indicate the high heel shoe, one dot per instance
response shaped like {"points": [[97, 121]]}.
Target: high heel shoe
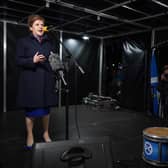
{"points": [[29, 143], [28, 147]]}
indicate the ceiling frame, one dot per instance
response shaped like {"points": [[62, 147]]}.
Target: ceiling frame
{"points": [[105, 19]]}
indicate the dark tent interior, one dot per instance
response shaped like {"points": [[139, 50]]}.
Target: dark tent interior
{"points": [[109, 101]]}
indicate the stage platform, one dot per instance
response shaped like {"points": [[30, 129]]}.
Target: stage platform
{"points": [[123, 127]]}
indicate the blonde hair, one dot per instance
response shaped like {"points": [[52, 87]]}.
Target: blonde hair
{"points": [[33, 18]]}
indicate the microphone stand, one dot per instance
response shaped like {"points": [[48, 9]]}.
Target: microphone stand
{"points": [[67, 65], [69, 57]]}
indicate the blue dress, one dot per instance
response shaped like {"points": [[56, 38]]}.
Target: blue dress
{"points": [[37, 112]]}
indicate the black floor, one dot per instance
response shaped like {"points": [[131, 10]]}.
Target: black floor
{"points": [[124, 128]]}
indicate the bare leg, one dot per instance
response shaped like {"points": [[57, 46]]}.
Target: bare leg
{"points": [[29, 128], [45, 121]]}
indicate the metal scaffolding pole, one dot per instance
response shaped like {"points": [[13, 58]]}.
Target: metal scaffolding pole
{"points": [[4, 65], [100, 67], [98, 13]]}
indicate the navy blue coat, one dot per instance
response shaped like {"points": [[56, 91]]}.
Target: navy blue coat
{"points": [[36, 85]]}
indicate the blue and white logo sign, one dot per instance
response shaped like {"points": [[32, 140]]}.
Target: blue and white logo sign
{"points": [[148, 148], [151, 150]]}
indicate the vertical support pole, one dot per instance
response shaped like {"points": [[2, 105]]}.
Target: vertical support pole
{"points": [[4, 65], [60, 82], [100, 67], [153, 38], [147, 77]]}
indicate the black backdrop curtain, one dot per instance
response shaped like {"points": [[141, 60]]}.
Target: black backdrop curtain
{"points": [[112, 56], [132, 53], [133, 81], [86, 53], [1, 67], [161, 43], [13, 33]]}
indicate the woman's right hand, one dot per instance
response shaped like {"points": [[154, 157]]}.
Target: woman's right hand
{"points": [[38, 58]]}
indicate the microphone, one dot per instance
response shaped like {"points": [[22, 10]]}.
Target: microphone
{"points": [[56, 65]]}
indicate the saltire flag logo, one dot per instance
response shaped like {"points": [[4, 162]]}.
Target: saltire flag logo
{"points": [[154, 84]]}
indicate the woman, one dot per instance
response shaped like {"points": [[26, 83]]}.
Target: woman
{"points": [[36, 82]]}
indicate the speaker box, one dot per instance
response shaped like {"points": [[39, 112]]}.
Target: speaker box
{"points": [[80, 153]]}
